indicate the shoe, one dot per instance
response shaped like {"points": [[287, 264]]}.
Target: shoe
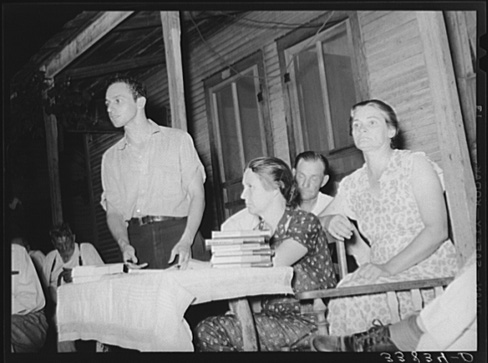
{"points": [[376, 339], [327, 343]]}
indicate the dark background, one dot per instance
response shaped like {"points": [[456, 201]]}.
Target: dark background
{"points": [[26, 27]]}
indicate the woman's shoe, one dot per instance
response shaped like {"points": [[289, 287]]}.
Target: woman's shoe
{"points": [[376, 339]]}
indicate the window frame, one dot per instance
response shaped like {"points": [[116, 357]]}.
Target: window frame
{"points": [[293, 40]]}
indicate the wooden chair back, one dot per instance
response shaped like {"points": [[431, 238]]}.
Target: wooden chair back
{"points": [[464, 250]]}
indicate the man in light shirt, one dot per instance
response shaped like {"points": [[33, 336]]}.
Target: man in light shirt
{"points": [[37, 256], [152, 184], [29, 325], [67, 254]]}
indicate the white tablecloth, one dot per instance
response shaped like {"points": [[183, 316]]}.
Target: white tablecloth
{"points": [[144, 309]]}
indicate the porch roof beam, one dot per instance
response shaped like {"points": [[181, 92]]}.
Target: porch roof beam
{"points": [[87, 38], [113, 67]]}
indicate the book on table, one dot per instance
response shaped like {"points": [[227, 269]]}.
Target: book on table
{"points": [[242, 247], [249, 248], [89, 273], [261, 252], [240, 258], [241, 234], [234, 241], [244, 265]]}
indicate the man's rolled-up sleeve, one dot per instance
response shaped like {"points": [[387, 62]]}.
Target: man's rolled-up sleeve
{"points": [[191, 166]]}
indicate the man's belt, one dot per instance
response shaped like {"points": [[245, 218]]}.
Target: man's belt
{"points": [[141, 221]]}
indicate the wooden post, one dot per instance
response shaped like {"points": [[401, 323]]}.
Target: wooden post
{"points": [[241, 309], [458, 174], [459, 36], [170, 22], [50, 124], [91, 194]]}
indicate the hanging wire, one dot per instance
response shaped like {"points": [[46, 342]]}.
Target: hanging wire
{"points": [[266, 23], [288, 25], [310, 41]]}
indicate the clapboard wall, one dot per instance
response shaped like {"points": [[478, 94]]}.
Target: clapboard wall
{"points": [[398, 74], [395, 71], [105, 244]]}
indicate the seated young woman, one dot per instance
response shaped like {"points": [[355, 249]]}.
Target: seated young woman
{"points": [[397, 200], [298, 240]]}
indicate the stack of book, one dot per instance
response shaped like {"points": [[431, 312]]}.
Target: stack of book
{"points": [[240, 249]]}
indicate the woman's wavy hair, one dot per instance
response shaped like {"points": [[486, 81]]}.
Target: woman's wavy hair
{"points": [[390, 117], [275, 173]]}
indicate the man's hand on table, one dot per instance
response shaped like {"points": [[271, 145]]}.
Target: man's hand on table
{"points": [[192, 265], [183, 250]]}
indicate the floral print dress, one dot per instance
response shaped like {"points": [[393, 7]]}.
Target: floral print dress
{"points": [[389, 221], [280, 322]]}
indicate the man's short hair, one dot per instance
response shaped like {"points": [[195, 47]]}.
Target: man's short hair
{"points": [[312, 156], [59, 231], [136, 87]]}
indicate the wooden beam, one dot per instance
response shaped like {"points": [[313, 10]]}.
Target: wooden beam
{"points": [[170, 22], [458, 174], [241, 309], [373, 288], [462, 54], [88, 36], [91, 194], [50, 124], [113, 67]]}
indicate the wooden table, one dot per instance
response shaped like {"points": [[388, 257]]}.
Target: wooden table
{"points": [[144, 309]]}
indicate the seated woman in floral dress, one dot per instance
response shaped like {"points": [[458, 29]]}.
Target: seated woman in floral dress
{"points": [[397, 200], [298, 240]]}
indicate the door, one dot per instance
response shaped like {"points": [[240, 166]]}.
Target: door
{"points": [[237, 118]]}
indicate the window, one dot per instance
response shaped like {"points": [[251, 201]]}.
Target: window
{"points": [[320, 76], [325, 91]]}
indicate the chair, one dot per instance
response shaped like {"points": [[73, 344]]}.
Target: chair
{"points": [[319, 308]]}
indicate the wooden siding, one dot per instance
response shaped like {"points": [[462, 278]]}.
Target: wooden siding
{"points": [[398, 75], [224, 48], [276, 104], [227, 47], [156, 82], [105, 244], [395, 70]]}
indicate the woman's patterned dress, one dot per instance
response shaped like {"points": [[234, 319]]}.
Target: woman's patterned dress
{"points": [[389, 221], [280, 323]]}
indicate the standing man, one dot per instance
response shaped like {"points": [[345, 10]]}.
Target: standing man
{"points": [[152, 184]]}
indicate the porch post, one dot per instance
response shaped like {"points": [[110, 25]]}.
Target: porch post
{"points": [[50, 124], [458, 174], [170, 21]]}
